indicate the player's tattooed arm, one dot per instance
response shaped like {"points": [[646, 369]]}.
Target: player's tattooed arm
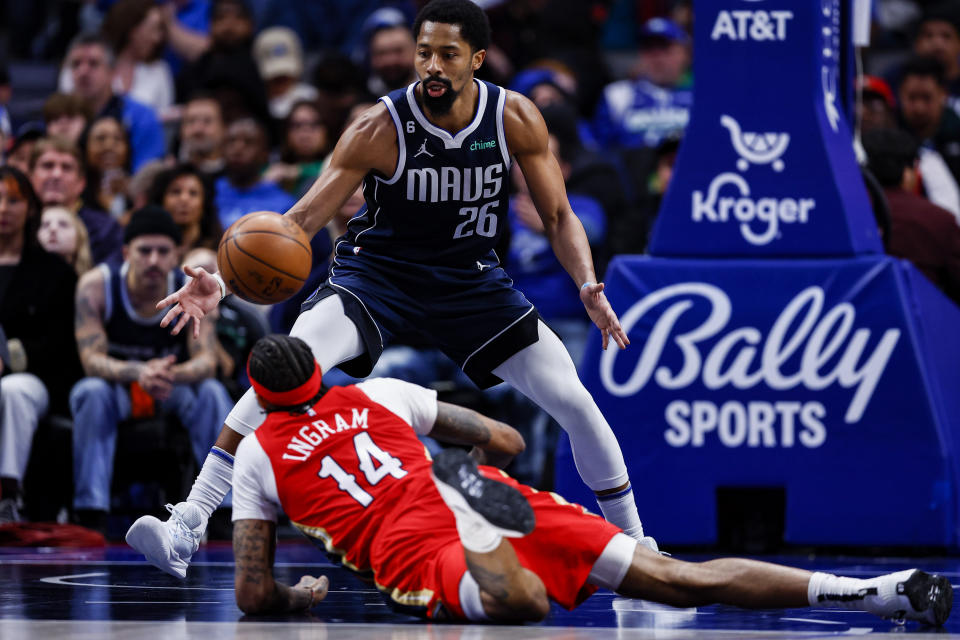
{"points": [[254, 545], [203, 357], [494, 442], [91, 334]]}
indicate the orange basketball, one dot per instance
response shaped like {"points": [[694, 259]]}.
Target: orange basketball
{"points": [[264, 257]]}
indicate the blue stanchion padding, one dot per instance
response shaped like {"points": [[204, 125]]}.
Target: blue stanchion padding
{"points": [[834, 379], [766, 167]]}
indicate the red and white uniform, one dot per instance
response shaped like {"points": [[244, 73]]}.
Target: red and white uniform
{"points": [[352, 474]]}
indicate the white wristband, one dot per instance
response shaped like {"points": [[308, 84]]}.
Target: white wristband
{"points": [[586, 284], [222, 285]]}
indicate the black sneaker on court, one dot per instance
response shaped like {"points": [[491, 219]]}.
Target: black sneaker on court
{"points": [[476, 499], [930, 597], [909, 595]]}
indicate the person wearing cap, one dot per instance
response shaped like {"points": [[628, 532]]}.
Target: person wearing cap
{"points": [[135, 368], [279, 57], [877, 107], [390, 48], [639, 113]]}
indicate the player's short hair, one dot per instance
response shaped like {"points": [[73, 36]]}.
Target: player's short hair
{"points": [[925, 67], [473, 22], [281, 363], [889, 152]]}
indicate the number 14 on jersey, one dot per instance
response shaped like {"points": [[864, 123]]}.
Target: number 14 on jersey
{"points": [[367, 452]]}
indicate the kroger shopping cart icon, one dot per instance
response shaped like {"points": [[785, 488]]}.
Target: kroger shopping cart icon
{"points": [[756, 148], [731, 196]]}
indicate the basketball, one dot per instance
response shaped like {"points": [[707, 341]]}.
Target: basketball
{"points": [[264, 257]]}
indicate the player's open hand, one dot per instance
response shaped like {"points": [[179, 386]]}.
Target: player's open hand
{"points": [[318, 588], [602, 314], [192, 301]]}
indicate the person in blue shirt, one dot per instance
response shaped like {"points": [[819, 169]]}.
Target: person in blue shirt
{"points": [[90, 62], [639, 113], [242, 190]]}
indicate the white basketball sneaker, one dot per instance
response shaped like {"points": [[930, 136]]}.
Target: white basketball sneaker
{"points": [[169, 545]]}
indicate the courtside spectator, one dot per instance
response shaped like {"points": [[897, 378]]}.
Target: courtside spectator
{"points": [[279, 57], [57, 174], [187, 195], [924, 113], [63, 233], [90, 62], [877, 107], [938, 36], [201, 134], [227, 69], [106, 155], [66, 115], [390, 50], [639, 113], [340, 83], [188, 30], [241, 190], [36, 304], [135, 31], [921, 232], [134, 367], [305, 145], [19, 153]]}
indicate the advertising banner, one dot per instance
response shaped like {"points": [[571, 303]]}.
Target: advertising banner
{"points": [[766, 167], [832, 379]]}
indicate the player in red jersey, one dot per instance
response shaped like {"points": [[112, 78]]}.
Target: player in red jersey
{"points": [[447, 539]]}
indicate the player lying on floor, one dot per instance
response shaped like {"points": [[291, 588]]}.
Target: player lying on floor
{"points": [[451, 540]]}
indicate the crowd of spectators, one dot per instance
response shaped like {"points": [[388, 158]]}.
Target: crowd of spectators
{"points": [[166, 121]]}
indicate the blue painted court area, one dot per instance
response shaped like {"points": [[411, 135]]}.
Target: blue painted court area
{"points": [[111, 592]]}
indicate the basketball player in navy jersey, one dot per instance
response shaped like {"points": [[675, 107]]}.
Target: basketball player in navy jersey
{"points": [[433, 160]]}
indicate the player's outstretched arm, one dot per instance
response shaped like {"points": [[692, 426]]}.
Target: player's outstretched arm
{"points": [[527, 137], [368, 144], [198, 297], [494, 443], [254, 543]]}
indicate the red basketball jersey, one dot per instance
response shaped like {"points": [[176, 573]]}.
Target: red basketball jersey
{"points": [[340, 471]]}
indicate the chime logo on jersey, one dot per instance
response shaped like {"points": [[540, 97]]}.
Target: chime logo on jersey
{"points": [[454, 184]]}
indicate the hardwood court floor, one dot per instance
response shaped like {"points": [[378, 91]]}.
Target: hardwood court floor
{"points": [[113, 593]]}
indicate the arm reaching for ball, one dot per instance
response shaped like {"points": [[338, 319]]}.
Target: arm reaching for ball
{"points": [[369, 144], [198, 297]]}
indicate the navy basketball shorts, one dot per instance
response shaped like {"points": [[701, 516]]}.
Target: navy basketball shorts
{"points": [[473, 315]]}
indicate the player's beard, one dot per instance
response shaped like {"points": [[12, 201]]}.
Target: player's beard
{"points": [[441, 105]]}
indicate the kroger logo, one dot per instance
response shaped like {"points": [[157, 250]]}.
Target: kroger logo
{"points": [[743, 357], [730, 196]]}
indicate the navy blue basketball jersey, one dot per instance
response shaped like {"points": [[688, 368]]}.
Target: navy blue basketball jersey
{"points": [[446, 202], [131, 336]]}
